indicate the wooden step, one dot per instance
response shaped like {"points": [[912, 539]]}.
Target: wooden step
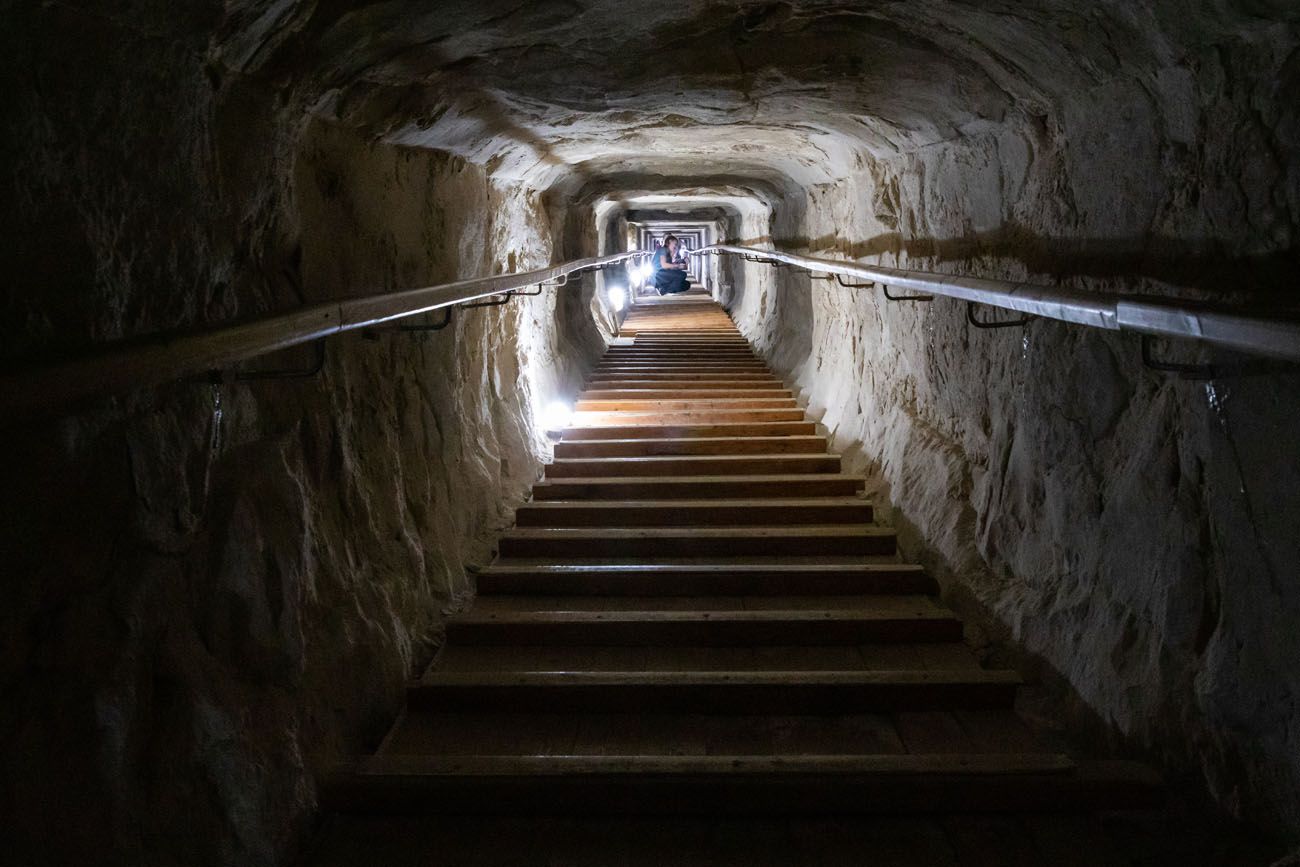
{"points": [[802, 427], [507, 577], [727, 332], [598, 542], [714, 368], [715, 692], [631, 448], [731, 333], [637, 355], [737, 785], [672, 356], [676, 417], [668, 378], [693, 465], [690, 337], [701, 734], [697, 487], [681, 372], [669, 362], [680, 392], [673, 376], [686, 513], [916, 623], [664, 405], [666, 658], [741, 387], [641, 350], [734, 344]]}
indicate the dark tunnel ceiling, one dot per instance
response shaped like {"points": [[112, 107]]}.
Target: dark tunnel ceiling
{"points": [[786, 93]]}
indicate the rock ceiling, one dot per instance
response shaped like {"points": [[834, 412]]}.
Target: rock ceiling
{"points": [[781, 93]]}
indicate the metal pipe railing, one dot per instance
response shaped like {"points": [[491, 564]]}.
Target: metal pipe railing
{"points": [[157, 359], [1247, 331]]}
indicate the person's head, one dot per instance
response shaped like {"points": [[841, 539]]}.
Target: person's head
{"points": [[671, 242]]}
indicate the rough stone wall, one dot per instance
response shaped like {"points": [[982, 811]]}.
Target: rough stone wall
{"points": [[215, 591], [1132, 531]]}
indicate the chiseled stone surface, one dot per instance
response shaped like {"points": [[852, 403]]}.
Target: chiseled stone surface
{"points": [[1131, 530], [216, 591]]}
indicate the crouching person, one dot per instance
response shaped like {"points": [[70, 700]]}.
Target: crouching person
{"points": [[670, 268]]}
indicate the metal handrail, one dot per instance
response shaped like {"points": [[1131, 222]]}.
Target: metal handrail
{"points": [[1247, 331], [167, 357]]}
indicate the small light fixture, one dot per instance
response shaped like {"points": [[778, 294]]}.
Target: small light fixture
{"points": [[557, 415], [617, 298]]}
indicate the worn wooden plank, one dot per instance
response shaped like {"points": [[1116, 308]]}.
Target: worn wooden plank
{"points": [[597, 542], [811, 445], [506, 576], [693, 465], [704, 429], [702, 628], [715, 691]]}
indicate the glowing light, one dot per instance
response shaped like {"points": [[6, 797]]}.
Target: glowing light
{"points": [[646, 270], [557, 415], [617, 298]]}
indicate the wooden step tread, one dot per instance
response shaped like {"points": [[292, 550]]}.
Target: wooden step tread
{"points": [[651, 462], [652, 378], [694, 465], [619, 418], [678, 404], [808, 571], [706, 628], [641, 351], [800, 427], [680, 357], [690, 679], [757, 532], [647, 336], [868, 604], [611, 448], [742, 388], [597, 542], [946, 656], [623, 392], [726, 692], [730, 765], [671, 362], [507, 577], [701, 734], [687, 344], [715, 370], [659, 487], [684, 512], [888, 785]]}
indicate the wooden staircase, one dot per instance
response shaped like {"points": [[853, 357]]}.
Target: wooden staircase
{"points": [[696, 614]]}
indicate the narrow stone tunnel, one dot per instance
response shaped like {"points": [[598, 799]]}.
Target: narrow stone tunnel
{"points": [[219, 588]]}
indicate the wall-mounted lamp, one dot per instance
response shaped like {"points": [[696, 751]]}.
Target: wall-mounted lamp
{"points": [[617, 298], [557, 415]]}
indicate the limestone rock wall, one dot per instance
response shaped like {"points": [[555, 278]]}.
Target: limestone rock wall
{"points": [[213, 592], [1134, 532]]}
